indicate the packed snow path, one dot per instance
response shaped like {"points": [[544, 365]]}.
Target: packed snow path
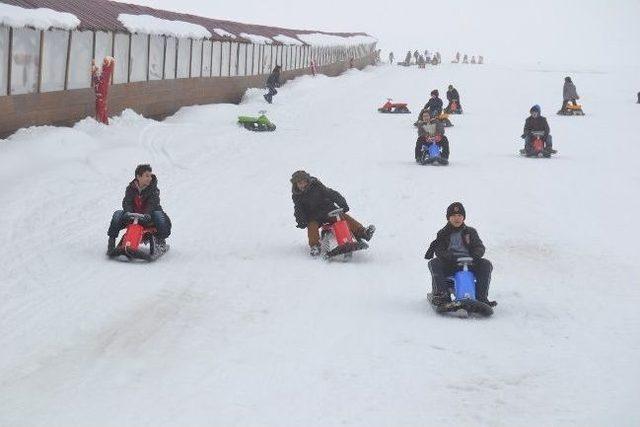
{"points": [[237, 326]]}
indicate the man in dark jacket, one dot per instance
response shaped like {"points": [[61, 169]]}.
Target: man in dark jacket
{"points": [[453, 95], [536, 123], [273, 81], [569, 94], [457, 240], [312, 203], [141, 196], [434, 105]]}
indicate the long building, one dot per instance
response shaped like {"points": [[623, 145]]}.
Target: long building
{"points": [[164, 60]]}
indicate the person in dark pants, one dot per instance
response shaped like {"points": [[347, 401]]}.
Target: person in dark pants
{"points": [[569, 94], [453, 95], [434, 105], [536, 123], [141, 196], [457, 240], [273, 81], [638, 97]]}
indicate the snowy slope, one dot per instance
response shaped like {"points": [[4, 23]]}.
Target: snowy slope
{"points": [[237, 326]]}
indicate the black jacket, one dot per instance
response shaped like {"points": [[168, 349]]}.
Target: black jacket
{"points": [[536, 124], [453, 94], [315, 203], [145, 201], [470, 239], [274, 79], [434, 106]]}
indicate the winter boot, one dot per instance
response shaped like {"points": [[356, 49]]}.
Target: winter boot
{"points": [[315, 250], [268, 98], [368, 232], [161, 245], [486, 301], [439, 299], [111, 246]]}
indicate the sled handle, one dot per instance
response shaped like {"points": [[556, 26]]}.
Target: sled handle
{"points": [[465, 262], [336, 213], [135, 216]]}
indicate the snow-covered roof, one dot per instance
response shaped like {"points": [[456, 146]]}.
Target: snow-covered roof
{"points": [[41, 19], [148, 24], [256, 39], [287, 40], [224, 33], [319, 39]]}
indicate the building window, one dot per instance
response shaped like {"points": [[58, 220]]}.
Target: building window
{"points": [[156, 57], [242, 59], [104, 41], [80, 60], [196, 58], [139, 57], [121, 54], [170, 60], [54, 60], [4, 59], [217, 59], [25, 58], [184, 58], [226, 58], [206, 58], [233, 59]]}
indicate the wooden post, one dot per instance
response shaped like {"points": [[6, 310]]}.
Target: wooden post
{"points": [[66, 68], [129, 61], [148, 55], [190, 56], [164, 57], [40, 61]]}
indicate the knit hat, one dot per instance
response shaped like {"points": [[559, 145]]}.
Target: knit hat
{"points": [[300, 176], [535, 108], [450, 87], [567, 79], [456, 208], [435, 92]]}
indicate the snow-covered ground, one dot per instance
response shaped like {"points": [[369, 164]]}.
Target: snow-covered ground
{"points": [[237, 326]]}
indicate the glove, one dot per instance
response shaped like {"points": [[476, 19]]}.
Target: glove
{"points": [[300, 225], [146, 220]]}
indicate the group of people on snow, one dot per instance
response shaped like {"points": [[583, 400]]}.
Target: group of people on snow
{"points": [[418, 58], [465, 59]]}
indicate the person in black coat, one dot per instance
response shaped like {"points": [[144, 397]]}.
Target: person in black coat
{"points": [[457, 240], [434, 105], [141, 196], [453, 95], [536, 123], [312, 202], [273, 81]]}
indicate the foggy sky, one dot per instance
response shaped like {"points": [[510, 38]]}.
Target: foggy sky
{"points": [[554, 32]]}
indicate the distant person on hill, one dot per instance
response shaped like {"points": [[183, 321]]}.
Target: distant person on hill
{"points": [[569, 94], [390, 57], [273, 81], [480, 59], [434, 105], [407, 59], [473, 59], [536, 123], [638, 97], [416, 54], [457, 58], [312, 203], [453, 95], [141, 196], [457, 240], [465, 59]]}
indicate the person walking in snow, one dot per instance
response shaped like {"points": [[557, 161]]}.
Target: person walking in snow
{"points": [[273, 81], [390, 57], [457, 240], [434, 105], [312, 202], [569, 94], [141, 196], [100, 81]]}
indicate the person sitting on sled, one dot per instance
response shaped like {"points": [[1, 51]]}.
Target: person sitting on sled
{"points": [[435, 104], [312, 203], [141, 196], [536, 123], [428, 132], [457, 240], [453, 95]]}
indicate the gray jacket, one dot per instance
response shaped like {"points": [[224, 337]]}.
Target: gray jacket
{"points": [[569, 91]]}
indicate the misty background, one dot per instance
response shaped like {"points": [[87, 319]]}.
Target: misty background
{"points": [[567, 33]]}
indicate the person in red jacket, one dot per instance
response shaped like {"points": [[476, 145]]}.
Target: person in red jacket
{"points": [[141, 196], [100, 81]]}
